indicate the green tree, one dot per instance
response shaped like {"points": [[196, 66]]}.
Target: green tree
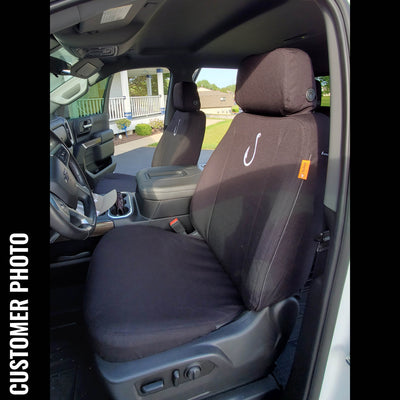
{"points": [[207, 85], [138, 87], [229, 88], [212, 86]]}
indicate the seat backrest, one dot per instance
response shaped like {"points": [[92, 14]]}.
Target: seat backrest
{"points": [[181, 141], [259, 200]]}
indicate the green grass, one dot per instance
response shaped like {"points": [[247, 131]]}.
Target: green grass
{"points": [[214, 133], [326, 101]]}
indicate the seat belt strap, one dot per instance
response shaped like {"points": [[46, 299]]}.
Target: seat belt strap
{"points": [[323, 241], [177, 226], [321, 251]]}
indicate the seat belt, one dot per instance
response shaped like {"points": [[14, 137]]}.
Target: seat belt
{"points": [[321, 251], [177, 226]]}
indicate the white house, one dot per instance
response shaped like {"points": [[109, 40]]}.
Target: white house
{"points": [[139, 109]]}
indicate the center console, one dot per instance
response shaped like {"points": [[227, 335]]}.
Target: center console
{"points": [[166, 191], [162, 194]]}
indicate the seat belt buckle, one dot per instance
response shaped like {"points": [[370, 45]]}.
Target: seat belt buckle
{"points": [[177, 226]]}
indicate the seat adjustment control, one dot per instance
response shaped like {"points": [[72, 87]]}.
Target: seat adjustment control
{"points": [[152, 387], [175, 377], [193, 372]]}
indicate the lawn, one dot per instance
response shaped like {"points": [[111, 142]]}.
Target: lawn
{"points": [[326, 101], [214, 133], [212, 136]]}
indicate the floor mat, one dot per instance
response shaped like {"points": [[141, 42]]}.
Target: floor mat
{"points": [[73, 375]]}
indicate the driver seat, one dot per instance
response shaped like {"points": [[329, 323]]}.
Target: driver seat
{"points": [[172, 316]]}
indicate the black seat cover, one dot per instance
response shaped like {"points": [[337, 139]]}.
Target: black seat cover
{"points": [[258, 206], [180, 143], [168, 291]]}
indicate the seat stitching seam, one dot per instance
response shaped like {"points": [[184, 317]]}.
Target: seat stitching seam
{"points": [[280, 239], [284, 229]]}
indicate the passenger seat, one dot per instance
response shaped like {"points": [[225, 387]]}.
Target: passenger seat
{"points": [[180, 143]]}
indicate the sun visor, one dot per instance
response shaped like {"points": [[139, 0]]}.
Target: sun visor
{"points": [[98, 31], [86, 68], [112, 18]]}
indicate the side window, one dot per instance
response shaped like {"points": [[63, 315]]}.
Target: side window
{"points": [[89, 104], [138, 94], [216, 87], [325, 90]]}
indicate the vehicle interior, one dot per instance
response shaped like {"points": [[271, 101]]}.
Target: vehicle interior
{"points": [[188, 282]]}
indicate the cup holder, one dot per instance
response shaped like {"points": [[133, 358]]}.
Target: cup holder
{"points": [[122, 207]]}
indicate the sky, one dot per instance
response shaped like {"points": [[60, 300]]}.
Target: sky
{"points": [[219, 76]]}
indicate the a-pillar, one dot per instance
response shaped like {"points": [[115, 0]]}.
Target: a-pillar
{"points": [[160, 87]]}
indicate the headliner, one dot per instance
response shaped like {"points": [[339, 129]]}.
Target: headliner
{"points": [[185, 34]]}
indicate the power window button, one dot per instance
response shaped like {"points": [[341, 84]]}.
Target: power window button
{"points": [[152, 387]]}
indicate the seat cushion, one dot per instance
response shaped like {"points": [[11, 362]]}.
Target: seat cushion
{"points": [[150, 290], [119, 182]]}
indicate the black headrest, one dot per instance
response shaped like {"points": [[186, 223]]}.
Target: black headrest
{"points": [[277, 83], [186, 97]]}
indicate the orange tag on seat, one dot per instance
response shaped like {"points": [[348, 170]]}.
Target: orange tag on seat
{"points": [[304, 167]]}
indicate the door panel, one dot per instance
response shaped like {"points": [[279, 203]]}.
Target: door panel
{"points": [[94, 140], [94, 146]]}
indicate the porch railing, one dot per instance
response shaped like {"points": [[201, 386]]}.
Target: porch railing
{"points": [[115, 108], [85, 107], [140, 106]]}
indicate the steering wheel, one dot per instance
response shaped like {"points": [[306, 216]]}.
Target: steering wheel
{"points": [[72, 208]]}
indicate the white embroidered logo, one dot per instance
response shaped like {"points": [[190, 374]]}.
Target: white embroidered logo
{"points": [[247, 163], [177, 127]]}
